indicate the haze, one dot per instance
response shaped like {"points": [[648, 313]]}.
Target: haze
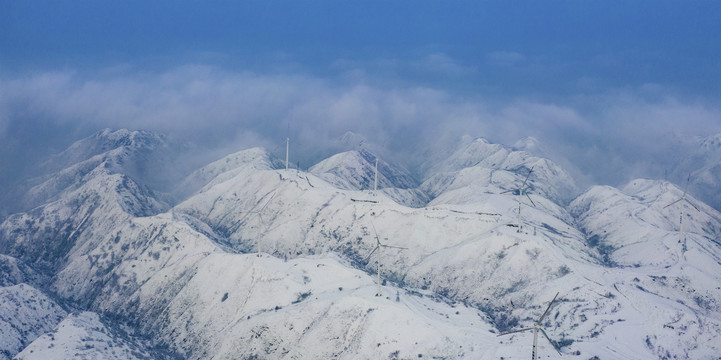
{"points": [[621, 90]]}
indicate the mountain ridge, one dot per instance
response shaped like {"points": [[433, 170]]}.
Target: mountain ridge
{"points": [[184, 273]]}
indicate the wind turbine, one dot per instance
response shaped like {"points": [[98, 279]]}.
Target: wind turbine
{"points": [[681, 239], [260, 217], [378, 247], [536, 328], [287, 147], [520, 196], [375, 181]]}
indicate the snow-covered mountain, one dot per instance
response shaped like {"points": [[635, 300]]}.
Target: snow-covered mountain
{"points": [[83, 336], [704, 166], [481, 163], [227, 167], [355, 170], [643, 205], [25, 314], [135, 275], [25, 311], [139, 155], [674, 283], [103, 142]]}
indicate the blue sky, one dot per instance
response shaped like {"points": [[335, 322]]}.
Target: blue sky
{"points": [[512, 46], [587, 78]]}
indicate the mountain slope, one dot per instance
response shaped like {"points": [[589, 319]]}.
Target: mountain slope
{"points": [[635, 227], [164, 273], [47, 235], [448, 246], [355, 170], [704, 166], [457, 242], [676, 282], [25, 314], [499, 163], [83, 336], [148, 158], [228, 166], [187, 277]]}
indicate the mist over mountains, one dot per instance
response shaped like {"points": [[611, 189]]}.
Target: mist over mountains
{"points": [[610, 136]]}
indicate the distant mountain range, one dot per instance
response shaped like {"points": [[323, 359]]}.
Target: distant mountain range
{"points": [[115, 253]]}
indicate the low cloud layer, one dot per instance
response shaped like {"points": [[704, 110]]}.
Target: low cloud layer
{"points": [[611, 136]]}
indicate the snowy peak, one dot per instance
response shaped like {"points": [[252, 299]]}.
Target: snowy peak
{"points": [[645, 189], [533, 146], [528, 143], [701, 159], [640, 224], [661, 193], [355, 170], [226, 168], [651, 195], [351, 140], [144, 156], [638, 186], [45, 236], [548, 179], [103, 142], [479, 150]]}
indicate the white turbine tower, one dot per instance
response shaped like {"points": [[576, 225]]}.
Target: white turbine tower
{"points": [[536, 328], [375, 181], [681, 238], [260, 218], [378, 247], [287, 149], [520, 196]]}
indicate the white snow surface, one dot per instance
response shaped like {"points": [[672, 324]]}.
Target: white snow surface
{"points": [[25, 314], [355, 170], [499, 165], [82, 336], [189, 278]]}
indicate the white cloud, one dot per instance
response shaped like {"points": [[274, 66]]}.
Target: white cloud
{"points": [[615, 131]]}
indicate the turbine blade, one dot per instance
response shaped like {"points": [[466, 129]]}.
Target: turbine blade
{"points": [[371, 253], [515, 331], [694, 206], [527, 176], [378, 240], [549, 307], [688, 180], [673, 203], [267, 202], [507, 191], [549, 340], [395, 247], [529, 198]]}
